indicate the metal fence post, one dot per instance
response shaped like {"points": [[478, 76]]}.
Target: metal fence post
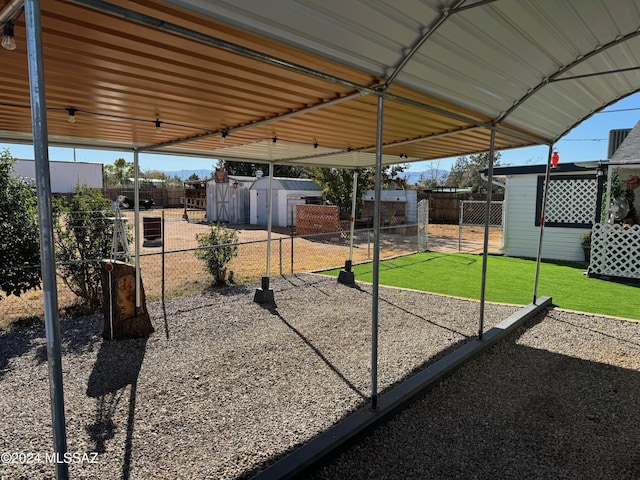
{"points": [[280, 247], [162, 239], [292, 250], [460, 220]]}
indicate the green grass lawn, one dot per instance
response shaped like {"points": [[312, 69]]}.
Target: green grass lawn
{"points": [[509, 280]]}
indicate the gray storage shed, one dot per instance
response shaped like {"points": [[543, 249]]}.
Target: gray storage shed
{"points": [[287, 193], [228, 199]]}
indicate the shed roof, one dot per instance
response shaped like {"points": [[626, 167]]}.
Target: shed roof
{"points": [[539, 169], [292, 184], [629, 149], [222, 78]]}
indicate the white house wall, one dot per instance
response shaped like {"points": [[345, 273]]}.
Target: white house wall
{"points": [[521, 234]]}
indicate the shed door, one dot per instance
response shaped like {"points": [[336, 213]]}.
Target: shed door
{"points": [[262, 207], [222, 202]]}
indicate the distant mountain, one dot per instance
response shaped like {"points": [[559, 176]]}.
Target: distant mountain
{"points": [[414, 177]]}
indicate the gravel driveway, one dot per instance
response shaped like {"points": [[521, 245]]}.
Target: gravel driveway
{"points": [[225, 387]]}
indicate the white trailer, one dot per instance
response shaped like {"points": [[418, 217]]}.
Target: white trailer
{"points": [[65, 175]]}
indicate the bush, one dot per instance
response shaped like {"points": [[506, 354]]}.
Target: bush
{"points": [[19, 239], [220, 246], [83, 236]]}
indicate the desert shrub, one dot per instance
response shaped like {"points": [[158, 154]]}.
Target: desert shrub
{"points": [[219, 246], [19, 239], [83, 229]]}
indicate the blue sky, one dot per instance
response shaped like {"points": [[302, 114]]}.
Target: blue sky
{"points": [[588, 141]]}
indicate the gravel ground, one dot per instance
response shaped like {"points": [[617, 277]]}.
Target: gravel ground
{"points": [[225, 387], [559, 400]]}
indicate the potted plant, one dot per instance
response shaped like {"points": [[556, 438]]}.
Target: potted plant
{"points": [[586, 247]]}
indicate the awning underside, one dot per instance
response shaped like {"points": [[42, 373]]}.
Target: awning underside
{"points": [[223, 79]]}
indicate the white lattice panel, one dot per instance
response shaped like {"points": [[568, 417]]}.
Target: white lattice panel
{"points": [[615, 250], [572, 200]]}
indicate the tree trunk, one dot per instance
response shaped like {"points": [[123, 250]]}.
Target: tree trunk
{"points": [[119, 303]]}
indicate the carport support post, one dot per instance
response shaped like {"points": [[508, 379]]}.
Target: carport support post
{"points": [[346, 276], [136, 221], [376, 257], [48, 262], [264, 294], [487, 222], [547, 175]]}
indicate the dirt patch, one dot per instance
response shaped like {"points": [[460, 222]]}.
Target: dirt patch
{"points": [[185, 274], [469, 239]]}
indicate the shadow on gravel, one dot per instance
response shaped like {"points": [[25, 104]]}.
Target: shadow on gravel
{"points": [[16, 343], [273, 310], [566, 418], [117, 367], [77, 335]]}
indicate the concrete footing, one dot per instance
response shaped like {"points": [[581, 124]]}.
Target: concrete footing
{"points": [[264, 294]]}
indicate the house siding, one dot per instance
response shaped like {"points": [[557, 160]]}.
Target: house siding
{"points": [[521, 236]]}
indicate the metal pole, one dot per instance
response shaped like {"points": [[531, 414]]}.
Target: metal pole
{"points": [[136, 221], [163, 256], [487, 222], [353, 213], [291, 250], [48, 262], [547, 175], [280, 250], [269, 222], [460, 215], [376, 257]]}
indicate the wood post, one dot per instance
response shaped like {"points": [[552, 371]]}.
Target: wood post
{"points": [[119, 303]]}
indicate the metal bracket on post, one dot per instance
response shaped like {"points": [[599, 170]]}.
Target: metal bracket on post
{"points": [[264, 294], [346, 276]]}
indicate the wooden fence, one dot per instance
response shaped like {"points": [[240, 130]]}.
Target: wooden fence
{"points": [[444, 207], [168, 198]]}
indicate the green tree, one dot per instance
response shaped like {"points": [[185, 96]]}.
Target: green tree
{"points": [[466, 171], [19, 240], [119, 173], [193, 177], [220, 245], [83, 236], [337, 183], [249, 169]]}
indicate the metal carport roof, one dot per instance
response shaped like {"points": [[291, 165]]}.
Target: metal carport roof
{"points": [[324, 82], [218, 75]]}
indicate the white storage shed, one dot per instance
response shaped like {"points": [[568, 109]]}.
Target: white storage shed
{"points": [[287, 193], [228, 199]]}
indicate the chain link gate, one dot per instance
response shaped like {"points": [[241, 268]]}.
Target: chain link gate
{"points": [[473, 214]]}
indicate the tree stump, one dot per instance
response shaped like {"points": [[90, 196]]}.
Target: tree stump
{"points": [[119, 303]]}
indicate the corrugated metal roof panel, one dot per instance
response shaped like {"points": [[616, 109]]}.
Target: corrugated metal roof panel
{"points": [[300, 184], [309, 71]]}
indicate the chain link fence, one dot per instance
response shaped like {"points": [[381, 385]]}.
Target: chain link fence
{"points": [[473, 214], [170, 267]]}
